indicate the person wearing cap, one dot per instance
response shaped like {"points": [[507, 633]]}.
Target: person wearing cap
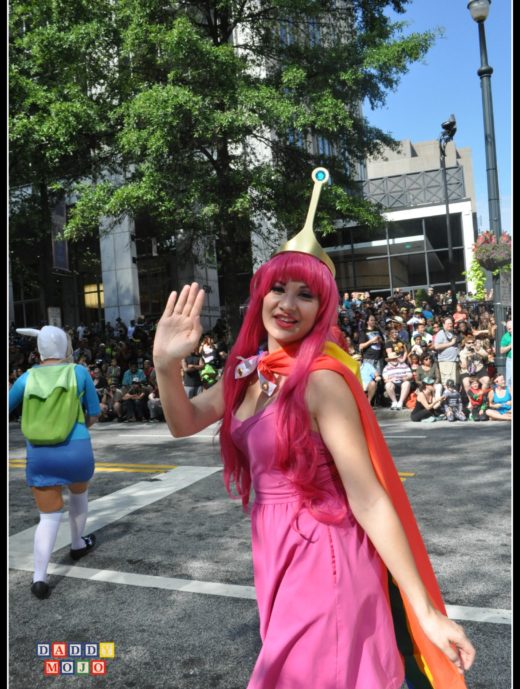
{"points": [[51, 467], [427, 406], [416, 318], [452, 405], [297, 427], [134, 401], [403, 332], [397, 377]]}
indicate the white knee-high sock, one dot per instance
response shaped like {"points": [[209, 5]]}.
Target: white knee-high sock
{"points": [[78, 510], [44, 540]]}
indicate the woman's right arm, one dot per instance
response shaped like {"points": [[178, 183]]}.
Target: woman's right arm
{"points": [[177, 335]]}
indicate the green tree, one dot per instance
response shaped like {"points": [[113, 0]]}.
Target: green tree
{"points": [[212, 112], [59, 119], [477, 276]]}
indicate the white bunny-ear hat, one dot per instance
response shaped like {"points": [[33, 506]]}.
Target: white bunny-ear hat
{"points": [[52, 342]]}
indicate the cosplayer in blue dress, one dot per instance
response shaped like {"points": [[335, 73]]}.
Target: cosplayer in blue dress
{"points": [[50, 467], [71, 461]]}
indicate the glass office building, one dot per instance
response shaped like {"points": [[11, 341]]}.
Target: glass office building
{"points": [[413, 248]]}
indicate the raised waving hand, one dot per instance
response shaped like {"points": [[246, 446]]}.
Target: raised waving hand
{"points": [[179, 329]]}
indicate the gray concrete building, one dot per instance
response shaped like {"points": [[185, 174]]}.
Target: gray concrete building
{"points": [[411, 250]]}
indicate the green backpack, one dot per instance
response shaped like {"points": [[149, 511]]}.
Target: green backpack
{"points": [[209, 375], [51, 405]]}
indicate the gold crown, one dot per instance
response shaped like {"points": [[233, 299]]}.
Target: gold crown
{"points": [[305, 241]]}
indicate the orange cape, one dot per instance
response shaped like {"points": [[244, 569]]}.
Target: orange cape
{"points": [[426, 666]]}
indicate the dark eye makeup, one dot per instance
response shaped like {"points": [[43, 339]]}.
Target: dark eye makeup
{"points": [[279, 287]]}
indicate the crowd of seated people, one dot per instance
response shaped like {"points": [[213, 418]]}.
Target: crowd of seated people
{"points": [[119, 360], [401, 343], [434, 357]]}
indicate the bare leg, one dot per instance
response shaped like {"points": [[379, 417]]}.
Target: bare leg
{"points": [[390, 389], [371, 390], [405, 391]]}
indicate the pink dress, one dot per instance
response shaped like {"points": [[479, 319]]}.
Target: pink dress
{"points": [[325, 620]]}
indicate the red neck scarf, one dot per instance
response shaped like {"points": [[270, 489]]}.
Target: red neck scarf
{"points": [[279, 362]]}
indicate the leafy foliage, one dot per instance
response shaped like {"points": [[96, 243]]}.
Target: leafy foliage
{"points": [[208, 115], [477, 277]]}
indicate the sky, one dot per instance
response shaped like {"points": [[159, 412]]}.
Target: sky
{"points": [[446, 82]]}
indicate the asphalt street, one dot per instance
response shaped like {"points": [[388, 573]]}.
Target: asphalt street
{"points": [[170, 582]]}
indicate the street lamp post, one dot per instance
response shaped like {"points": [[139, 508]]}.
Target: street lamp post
{"points": [[479, 11], [448, 132]]}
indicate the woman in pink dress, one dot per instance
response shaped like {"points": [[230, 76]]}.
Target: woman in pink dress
{"points": [[346, 595]]}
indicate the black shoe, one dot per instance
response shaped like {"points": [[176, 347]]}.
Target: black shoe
{"points": [[90, 541], [40, 589]]}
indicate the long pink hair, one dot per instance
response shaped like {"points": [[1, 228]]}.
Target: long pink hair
{"points": [[295, 454]]}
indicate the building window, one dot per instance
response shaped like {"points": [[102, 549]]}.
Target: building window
{"points": [[314, 33], [324, 146], [409, 270], [438, 265], [286, 33], [295, 137], [94, 296], [437, 231]]}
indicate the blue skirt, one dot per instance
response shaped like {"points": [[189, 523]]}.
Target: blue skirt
{"points": [[59, 465]]}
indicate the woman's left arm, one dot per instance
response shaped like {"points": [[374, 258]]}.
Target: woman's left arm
{"points": [[332, 406]]}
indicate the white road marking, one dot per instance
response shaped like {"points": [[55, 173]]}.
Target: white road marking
{"points": [[110, 508], [117, 505], [212, 588], [493, 615], [405, 436], [149, 581]]}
